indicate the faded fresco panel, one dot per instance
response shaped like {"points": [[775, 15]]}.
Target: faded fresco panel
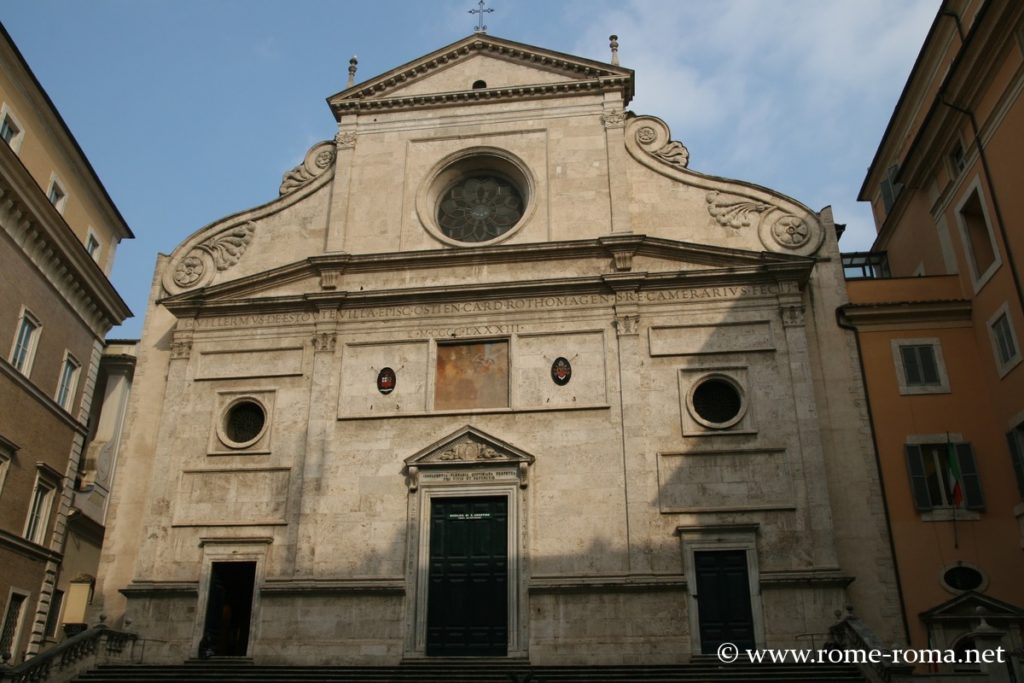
{"points": [[471, 376]]}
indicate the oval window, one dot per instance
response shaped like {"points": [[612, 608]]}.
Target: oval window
{"points": [[717, 402], [244, 423], [962, 578]]}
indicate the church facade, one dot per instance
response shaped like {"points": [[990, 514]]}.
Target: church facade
{"points": [[497, 375]]}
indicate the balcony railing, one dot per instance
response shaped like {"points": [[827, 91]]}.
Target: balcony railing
{"points": [[866, 265]]}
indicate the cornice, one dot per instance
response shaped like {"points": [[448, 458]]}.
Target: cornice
{"points": [[7, 370], [160, 588], [27, 548], [908, 312], [378, 586], [60, 134], [197, 304], [588, 583], [618, 248], [371, 95], [43, 236], [725, 266], [462, 97]]}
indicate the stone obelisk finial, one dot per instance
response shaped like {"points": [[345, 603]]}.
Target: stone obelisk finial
{"points": [[352, 63], [613, 43]]}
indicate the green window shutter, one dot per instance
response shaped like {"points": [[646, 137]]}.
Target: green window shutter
{"points": [[973, 500], [1016, 439], [918, 480]]}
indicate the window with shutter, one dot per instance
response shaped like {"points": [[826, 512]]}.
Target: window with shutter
{"points": [[920, 367], [933, 481], [1016, 439]]}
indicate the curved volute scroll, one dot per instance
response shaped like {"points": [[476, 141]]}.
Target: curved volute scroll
{"points": [[782, 224], [318, 159], [652, 136], [197, 267], [222, 244]]}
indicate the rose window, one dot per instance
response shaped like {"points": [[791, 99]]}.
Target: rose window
{"points": [[479, 208]]}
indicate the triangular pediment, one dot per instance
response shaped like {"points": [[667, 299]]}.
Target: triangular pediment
{"points": [[506, 68], [972, 605], [468, 446]]}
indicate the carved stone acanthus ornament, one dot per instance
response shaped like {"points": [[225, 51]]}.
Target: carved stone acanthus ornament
{"points": [[734, 211], [181, 349], [318, 159], [627, 325], [221, 251], [324, 342], [613, 119], [792, 315], [345, 140], [673, 153]]}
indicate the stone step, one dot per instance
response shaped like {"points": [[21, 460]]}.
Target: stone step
{"points": [[205, 671]]}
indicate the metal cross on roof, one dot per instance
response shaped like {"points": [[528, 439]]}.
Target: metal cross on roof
{"points": [[480, 28]]}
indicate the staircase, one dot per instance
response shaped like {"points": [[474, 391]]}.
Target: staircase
{"points": [[447, 671]]}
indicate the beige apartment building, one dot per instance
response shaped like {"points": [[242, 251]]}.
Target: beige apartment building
{"points": [[59, 232], [940, 318]]}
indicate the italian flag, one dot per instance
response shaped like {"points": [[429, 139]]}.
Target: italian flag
{"points": [[956, 489]]}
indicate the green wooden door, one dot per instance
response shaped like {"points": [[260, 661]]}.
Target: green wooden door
{"points": [[723, 598], [467, 600]]}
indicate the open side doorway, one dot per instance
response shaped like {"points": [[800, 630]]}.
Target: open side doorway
{"points": [[228, 610]]}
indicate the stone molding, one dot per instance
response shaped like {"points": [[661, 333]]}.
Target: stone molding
{"points": [[313, 587], [607, 583]]}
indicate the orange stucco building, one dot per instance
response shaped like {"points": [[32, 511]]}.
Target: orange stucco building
{"points": [[939, 314]]}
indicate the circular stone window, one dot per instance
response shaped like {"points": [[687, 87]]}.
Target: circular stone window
{"points": [[717, 402], [479, 208], [962, 578], [476, 197], [243, 424]]}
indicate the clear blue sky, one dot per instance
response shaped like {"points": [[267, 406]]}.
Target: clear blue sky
{"points": [[192, 110]]}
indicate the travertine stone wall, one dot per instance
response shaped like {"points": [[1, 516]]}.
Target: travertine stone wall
{"points": [[611, 479]]}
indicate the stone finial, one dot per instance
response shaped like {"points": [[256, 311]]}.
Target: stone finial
{"points": [[613, 43], [352, 64]]}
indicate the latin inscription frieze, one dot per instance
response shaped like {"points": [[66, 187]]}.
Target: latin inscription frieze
{"points": [[483, 307]]}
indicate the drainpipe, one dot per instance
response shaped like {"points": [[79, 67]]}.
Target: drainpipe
{"points": [[841, 322]]}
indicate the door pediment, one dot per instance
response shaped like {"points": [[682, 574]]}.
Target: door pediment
{"points": [[468, 449]]}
